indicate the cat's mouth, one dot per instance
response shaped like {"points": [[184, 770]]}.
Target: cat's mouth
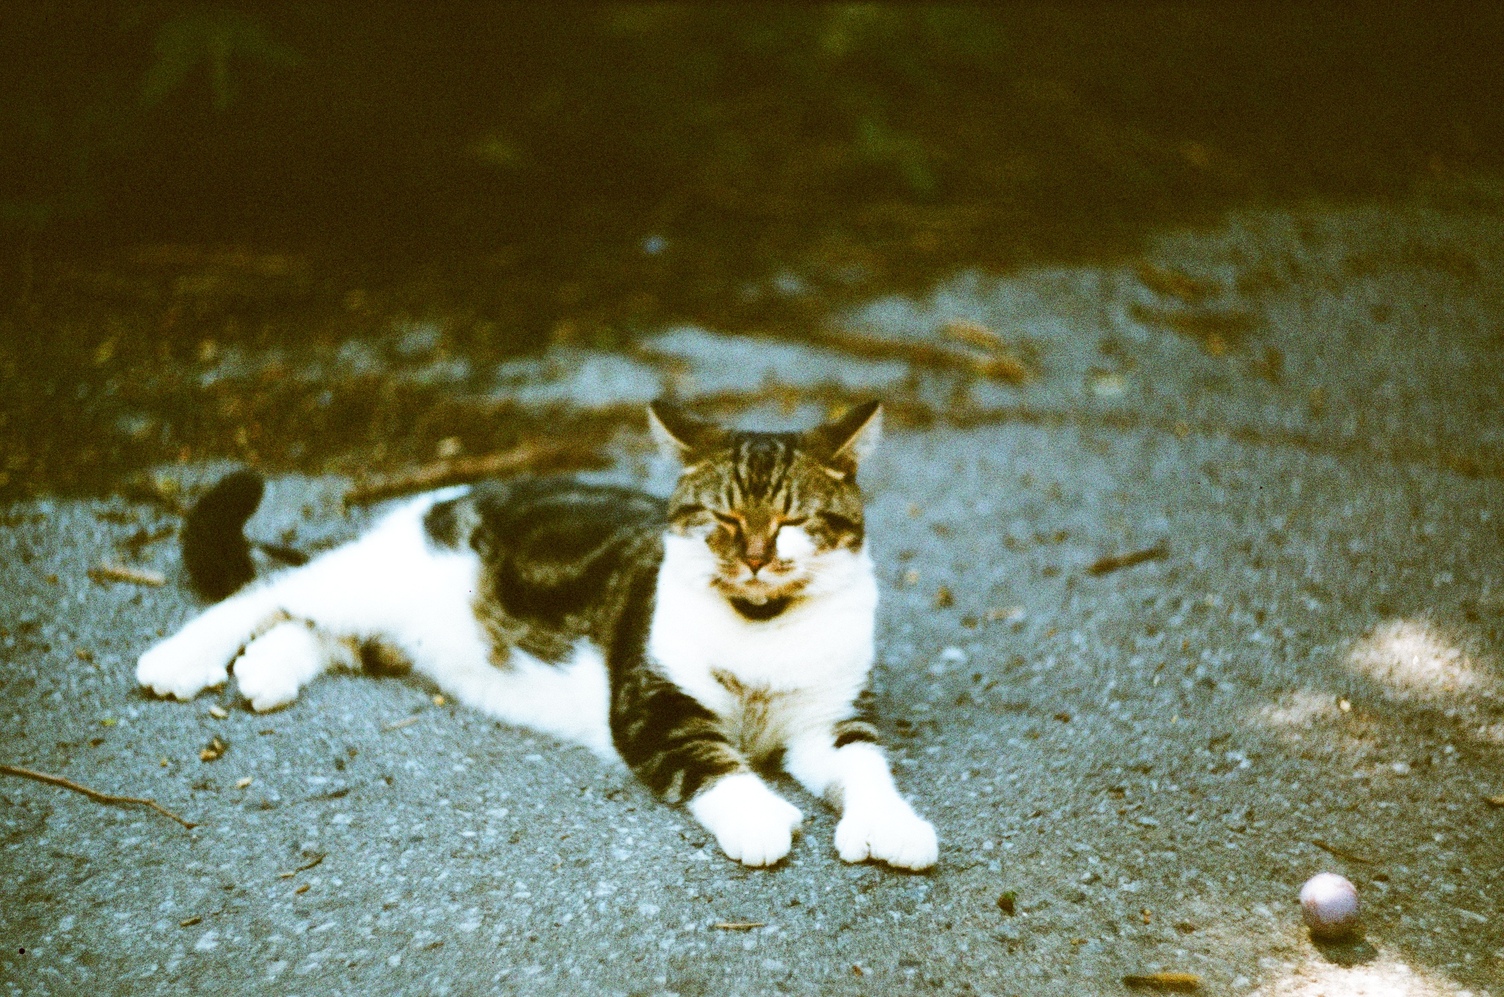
{"points": [[759, 611], [756, 599]]}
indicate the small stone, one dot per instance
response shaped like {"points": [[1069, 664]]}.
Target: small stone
{"points": [[242, 783], [1329, 903], [218, 712]]}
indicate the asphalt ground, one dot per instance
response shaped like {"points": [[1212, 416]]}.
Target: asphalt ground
{"points": [[1132, 767]]}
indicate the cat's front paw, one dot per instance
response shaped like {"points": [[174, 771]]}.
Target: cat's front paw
{"points": [[274, 666], [891, 833], [179, 668], [751, 823]]}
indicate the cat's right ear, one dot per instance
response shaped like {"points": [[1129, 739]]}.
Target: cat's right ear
{"points": [[680, 435]]}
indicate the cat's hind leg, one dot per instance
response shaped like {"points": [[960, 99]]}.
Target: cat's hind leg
{"points": [[276, 665], [388, 580]]}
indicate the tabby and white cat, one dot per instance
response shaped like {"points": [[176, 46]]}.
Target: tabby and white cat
{"points": [[691, 640]]}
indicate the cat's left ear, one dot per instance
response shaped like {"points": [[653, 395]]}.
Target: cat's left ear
{"points": [[845, 443], [679, 435]]}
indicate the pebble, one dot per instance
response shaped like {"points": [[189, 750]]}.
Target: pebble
{"points": [[1329, 903]]}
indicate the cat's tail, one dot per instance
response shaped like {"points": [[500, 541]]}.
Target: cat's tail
{"points": [[216, 551]]}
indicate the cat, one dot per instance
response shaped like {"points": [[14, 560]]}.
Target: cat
{"points": [[691, 639]]}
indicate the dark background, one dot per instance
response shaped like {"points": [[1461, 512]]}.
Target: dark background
{"points": [[528, 173]]}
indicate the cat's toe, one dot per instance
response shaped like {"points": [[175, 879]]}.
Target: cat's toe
{"points": [[752, 824], [179, 669], [899, 837]]}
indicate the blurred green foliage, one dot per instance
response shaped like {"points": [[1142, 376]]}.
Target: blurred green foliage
{"points": [[483, 125], [70, 124], [210, 40]]}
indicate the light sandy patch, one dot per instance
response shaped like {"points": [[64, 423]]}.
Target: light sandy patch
{"points": [[1384, 977], [1300, 709], [1414, 661]]}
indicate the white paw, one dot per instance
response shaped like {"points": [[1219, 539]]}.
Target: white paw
{"points": [[179, 667], [275, 665], [751, 823], [890, 832]]}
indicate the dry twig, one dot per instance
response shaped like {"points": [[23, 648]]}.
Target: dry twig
{"points": [[1181, 983], [107, 572], [93, 794], [1174, 284], [1216, 331], [304, 867], [996, 365], [399, 724], [1341, 853], [737, 925], [1114, 562], [529, 456]]}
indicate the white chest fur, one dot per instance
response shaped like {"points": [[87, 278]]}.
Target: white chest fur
{"points": [[802, 667]]}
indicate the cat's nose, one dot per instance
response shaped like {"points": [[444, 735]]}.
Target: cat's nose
{"points": [[757, 553]]}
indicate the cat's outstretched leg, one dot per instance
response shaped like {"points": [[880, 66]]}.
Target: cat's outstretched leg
{"points": [[677, 747], [198, 656], [846, 767], [752, 824], [276, 665], [390, 585]]}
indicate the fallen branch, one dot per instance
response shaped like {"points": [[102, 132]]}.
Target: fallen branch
{"points": [[737, 925], [1216, 331], [144, 538], [399, 724], [531, 456], [1182, 983], [93, 794], [1115, 562], [997, 366], [108, 572], [1174, 284], [1341, 853], [304, 867]]}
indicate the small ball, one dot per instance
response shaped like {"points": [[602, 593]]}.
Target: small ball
{"points": [[1330, 905]]}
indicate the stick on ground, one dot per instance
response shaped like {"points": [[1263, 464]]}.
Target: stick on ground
{"points": [[108, 572], [1116, 562], [1341, 853], [1182, 983], [995, 365], [93, 794], [523, 457]]}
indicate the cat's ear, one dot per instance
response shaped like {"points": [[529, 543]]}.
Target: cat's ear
{"points": [[680, 435], [845, 443]]}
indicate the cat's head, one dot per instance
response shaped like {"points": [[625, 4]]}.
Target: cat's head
{"points": [[771, 514]]}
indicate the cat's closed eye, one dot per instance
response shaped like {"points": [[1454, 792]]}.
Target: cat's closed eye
{"points": [[837, 522]]}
